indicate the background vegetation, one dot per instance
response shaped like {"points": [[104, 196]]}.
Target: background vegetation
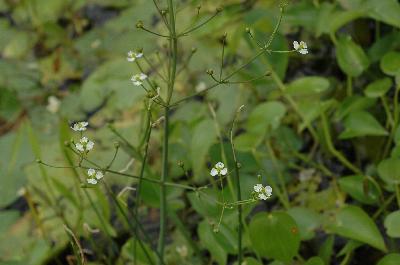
{"points": [[321, 129]]}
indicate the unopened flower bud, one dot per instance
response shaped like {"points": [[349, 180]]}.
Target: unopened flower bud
{"points": [[210, 71], [139, 24], [163, 12], [116, 144], [180, 163], [219, 9], [194, 49], [248, 30]]}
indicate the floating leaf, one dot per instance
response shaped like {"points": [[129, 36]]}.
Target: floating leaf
{"points": [[351, 57], [361, 123], [275, 236], [392, 224], [352, 222]]}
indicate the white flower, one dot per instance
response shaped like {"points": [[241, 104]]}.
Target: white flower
{"points": [[262, 196], [92, 181], [80, 147], [99, 175], [80, 126], [91, 172], [84, 145], [262, 193], [137, 79], [268, 191], [258, 187], [132, 56], [53, 104], [219, 169], [300, 47]]}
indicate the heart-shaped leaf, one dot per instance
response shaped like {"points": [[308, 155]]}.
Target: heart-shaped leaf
{"points": [[392, 224], [378, 88], [390, 63], [351, 57], [361, 123], [389, 170], [390, 259]]}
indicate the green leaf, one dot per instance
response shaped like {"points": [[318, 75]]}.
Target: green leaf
{"points": [[351, 57], [247, 141], [340, 18], [275, 236], [390, 63], [325, 251], [378, 88], [7, 218], [308, 86], [307, 220], [352, 104], [352, 222], [361, 123], [311, 110], [128, 255], [266, 116], [314, 261], [203, 137], [208, 240], [389, 170], [390, 259], [392, 224], [386, 11], [360, 188]]}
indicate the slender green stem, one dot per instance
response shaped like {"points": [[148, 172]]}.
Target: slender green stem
{"points": [[271, 38], [239, 195], [198, 26], [332, 148], [389, 116]]}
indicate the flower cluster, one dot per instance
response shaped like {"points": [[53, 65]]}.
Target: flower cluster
{"points": [[219, 169], [137, 79], [84, 145], [132, 56], [94, 176], [300, 47], [80, 126], [262, 193]]}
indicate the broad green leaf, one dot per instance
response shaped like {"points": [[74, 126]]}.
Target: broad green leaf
{"points": [[361, 123], [307, 220], [19, 45], [351, 57], [311, 110], [352, 104], [340, 18], [389, 170], [378, 88], [352, 222], [7, 218], [227, 238], [9, 105], [203, 137], [390, 63], [247, 141], [386, 11], [314, 261], [389, 259], [275, 235], [360, 188], [392, 224], [381, 46], [209, 241], [308, 86], [266, 116]]}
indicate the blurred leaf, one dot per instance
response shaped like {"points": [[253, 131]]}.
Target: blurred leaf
{"points": [[209, 241], [266, 116], [247, 141], [9, 105], [127, 255], [392, 224], [352, 222], [307, 220], [381, 46], [351, 57], [19, 45], [390, 63], [352, 104], [325, 250], [378, 88], [7, 218], [275, 236], [311, 110], [308, 86], [340, 18], [389, 259], [386, 11], [314, 261], [355, 186], [389, 170], [361, 123], [203, 137]]}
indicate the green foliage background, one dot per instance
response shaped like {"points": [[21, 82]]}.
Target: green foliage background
{"points": [[322, 130]]}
